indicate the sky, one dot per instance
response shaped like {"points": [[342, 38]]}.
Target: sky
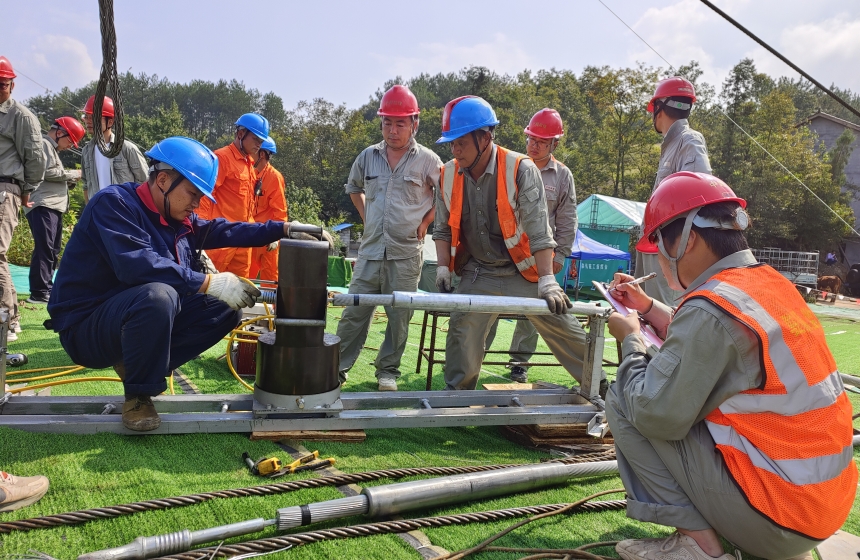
{"points": [[344, 51]]}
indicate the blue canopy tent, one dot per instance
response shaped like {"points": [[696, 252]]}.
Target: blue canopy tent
{"points": [[584, 249]]}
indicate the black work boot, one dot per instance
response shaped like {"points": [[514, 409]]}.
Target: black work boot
{"points": [[138, 413], [519, 374]]}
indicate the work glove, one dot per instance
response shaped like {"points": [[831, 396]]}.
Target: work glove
{"points": [[443, 280], [208, 266], [232, 290], [326, 236], [272, 246], [556, 299]]}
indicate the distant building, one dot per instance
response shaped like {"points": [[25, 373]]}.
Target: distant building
{"points": [[829, 128]]}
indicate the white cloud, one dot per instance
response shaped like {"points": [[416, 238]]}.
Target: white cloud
{"points": [[502, 55], [60, 60], [828, 50]]}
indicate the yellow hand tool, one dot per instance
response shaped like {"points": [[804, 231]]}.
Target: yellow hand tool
{"points": [[264, 466]]}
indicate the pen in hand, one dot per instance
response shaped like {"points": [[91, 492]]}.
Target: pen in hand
{"points": [[637, 281]]}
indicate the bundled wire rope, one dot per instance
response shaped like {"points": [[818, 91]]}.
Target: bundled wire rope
{"points": [[83, 516], [274, 544], [109, 76]]}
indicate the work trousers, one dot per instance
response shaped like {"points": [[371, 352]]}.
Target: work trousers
{"points": [[232, 259], [151, 330], [467, 332], [264, 263], [46, 225], [378, 277], [685, 484], [9, 207], [523, 343]]}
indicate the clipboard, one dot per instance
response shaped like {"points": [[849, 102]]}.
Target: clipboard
{"points": [[645, 329]]}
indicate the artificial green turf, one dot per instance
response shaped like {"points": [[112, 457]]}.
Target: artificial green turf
{"points": [[106, 469]]}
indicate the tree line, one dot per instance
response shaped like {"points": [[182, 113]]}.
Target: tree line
{"points": [[609, 142]]}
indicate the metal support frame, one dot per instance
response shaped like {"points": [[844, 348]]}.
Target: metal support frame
{"points": [[325, 411]]}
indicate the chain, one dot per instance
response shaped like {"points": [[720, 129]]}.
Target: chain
{"points": [[84, 516], [108, 76]]}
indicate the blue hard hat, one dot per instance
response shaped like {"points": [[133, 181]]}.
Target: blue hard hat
{"points": [[269, 145], [256, 123], [464, 115], [191, 159]]}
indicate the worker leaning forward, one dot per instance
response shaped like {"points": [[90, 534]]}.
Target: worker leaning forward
{"points": [[683, 149], [542, 136], [270, 203], [100, 172], [234, 189], [392, 184], [130, 292], [22, 167], [739, 426], [492, 229], [50, 201]]}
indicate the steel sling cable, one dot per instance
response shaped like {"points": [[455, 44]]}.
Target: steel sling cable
{"points": [[84, 516], [742, 129], [108, 76]]}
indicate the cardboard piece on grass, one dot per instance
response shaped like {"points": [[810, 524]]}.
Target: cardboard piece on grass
{"points": [[841, 546]]}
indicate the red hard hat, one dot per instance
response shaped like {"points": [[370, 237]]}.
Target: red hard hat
{"points": [[546, 123], [73, 128], [673, 87], [6, 68], [678, 194], [107, 106], [398, 102]]}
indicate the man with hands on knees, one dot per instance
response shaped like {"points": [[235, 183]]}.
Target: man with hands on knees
{"points": [[131, 292], [739, 425], [492, 229]]}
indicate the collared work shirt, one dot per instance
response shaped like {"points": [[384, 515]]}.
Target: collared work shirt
{"points": [[480, 232], [561, 206], [127, 167], [53, 192], [396, 201], [683, 149], [121, 241], [234, 187], [272, 203], [707, 357], [21, 153]]}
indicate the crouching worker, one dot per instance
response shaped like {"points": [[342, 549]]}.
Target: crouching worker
{"points": [[739, 425], [130, 294]]}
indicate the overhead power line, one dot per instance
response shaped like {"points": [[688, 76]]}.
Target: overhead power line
{"points": [[742, 129], [777, 54]]}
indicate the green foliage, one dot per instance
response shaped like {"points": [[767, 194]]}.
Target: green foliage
{"points": [[609, 142]]}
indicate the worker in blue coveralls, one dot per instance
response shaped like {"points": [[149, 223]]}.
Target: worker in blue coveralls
{"points": [[131, 292]]}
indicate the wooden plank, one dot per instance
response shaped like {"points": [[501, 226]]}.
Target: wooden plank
{"points": [[542, 430], [841, 546], [343, 436]]}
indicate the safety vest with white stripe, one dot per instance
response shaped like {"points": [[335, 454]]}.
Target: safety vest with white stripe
{"points": [[516, 240], [787, 443]]}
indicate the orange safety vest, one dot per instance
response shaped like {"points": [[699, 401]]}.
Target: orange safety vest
{"points": [[516, 240], [788, 443]]}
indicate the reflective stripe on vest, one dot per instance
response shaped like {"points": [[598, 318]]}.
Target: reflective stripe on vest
{"points": [[516, 240], [787, 443]]}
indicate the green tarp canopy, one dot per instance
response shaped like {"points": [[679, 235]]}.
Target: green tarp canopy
{"points": [[601, 212]]}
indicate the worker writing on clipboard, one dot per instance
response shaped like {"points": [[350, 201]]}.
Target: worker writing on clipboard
{"points": [[739, 425]]}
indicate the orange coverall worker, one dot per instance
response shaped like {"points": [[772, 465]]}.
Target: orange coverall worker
{"points": [[234, 191], [270, 205]]}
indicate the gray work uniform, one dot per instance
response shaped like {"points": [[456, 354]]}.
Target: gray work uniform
{"points": [[53, 192], [683, 149], [561, 211], [667, 459], [22, 167], [390, 256], [491, 271], [127, 167]]}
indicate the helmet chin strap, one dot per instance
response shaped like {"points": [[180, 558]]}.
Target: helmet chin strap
{"points": [[682, 245], [480, 153]]}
